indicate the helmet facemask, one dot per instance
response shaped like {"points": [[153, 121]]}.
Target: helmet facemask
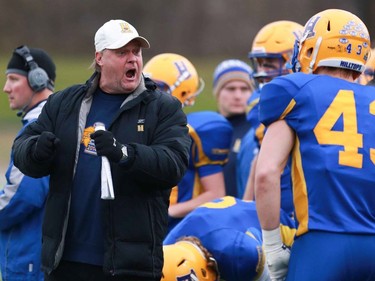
{"points": [[274, 41]]}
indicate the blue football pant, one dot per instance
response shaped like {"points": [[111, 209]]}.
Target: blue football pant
{"points": [[327, 256]]}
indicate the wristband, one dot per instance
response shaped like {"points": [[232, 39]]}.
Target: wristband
{"points": [[272, 237]]}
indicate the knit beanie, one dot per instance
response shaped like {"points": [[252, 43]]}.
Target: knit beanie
{"points": [[229, 70], [17, 64]]}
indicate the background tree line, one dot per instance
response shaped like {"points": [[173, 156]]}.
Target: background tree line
{"points": [[189, 27]]}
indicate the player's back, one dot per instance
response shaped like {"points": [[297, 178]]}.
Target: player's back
{"points": [[333, 164], [229, 229], [224, 214], [211, 134]]}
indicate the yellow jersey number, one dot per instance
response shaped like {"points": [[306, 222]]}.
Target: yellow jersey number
{"points": [[343, 105]]}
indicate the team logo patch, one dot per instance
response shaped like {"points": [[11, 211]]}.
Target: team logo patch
{"points": [[87, 142], [125, 28], [140, 125]]}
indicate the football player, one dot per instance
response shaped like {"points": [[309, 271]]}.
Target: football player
{"points": [[229, 229], [324, 121], [271, 51]]}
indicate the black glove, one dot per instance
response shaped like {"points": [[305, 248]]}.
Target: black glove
{"points": [[107, 145], [45, 147]]}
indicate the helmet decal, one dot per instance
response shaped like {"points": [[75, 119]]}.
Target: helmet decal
{"points": [[309, 29], [182, 68], [175, 75], [192, 276]]}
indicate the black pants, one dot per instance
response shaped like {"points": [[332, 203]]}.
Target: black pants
{"points": [[74, 271]]}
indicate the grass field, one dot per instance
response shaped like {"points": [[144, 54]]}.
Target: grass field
{"points": [[72, 70]]}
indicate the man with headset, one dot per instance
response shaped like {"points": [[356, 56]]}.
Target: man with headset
{"points": [[30, 79]]}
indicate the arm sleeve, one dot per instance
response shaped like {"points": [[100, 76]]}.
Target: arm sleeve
{"points": [[24, 144], [275, 101], [20, 197]]}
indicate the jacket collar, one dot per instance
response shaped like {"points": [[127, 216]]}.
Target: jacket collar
{"points": [[34, 112]]}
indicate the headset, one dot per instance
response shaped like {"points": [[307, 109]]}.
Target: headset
{"points": [[37, 77]]}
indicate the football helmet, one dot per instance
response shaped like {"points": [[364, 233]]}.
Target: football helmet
{"points": [[175, 75], [184, 260], [275, 40], [333, 38], [367, 76]]}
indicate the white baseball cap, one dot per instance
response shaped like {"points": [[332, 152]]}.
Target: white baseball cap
{"points": [[115, 34]]}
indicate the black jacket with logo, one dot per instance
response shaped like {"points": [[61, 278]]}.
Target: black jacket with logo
{"points": [[153, 126]]}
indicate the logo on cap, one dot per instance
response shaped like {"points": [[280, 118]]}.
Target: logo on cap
{"points": [[125, 28]]}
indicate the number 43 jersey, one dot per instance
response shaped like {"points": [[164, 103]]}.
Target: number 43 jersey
{"points": [[333, 158]]}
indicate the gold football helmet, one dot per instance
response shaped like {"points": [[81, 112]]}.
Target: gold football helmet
{"points": [[275, 40], [175, 75], [184, 260], [367, 76], [334, 38]]}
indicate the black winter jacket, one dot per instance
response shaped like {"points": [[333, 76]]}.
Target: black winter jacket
{"points": [[153, 126]]}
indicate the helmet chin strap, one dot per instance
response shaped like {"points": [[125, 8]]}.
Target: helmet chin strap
{"points": [[294, 64], [315, 54]]}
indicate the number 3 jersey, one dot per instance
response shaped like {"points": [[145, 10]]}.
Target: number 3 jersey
{"points": [[333, 158], [229, 229]]}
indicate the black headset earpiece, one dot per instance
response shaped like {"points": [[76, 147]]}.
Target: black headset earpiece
{"points": [[37, 77]]}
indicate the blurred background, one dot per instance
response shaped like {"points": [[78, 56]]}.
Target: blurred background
{"points": [[205, 31]]}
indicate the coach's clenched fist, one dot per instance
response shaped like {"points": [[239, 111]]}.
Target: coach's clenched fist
{"points": [[106, 145], [45, 147]]}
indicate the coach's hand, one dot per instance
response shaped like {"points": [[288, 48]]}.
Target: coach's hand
{"points": [[107, 145], [277, 254], [45, 147]]}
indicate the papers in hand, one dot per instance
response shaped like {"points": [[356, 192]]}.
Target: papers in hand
{"points": [[107, 192]]}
